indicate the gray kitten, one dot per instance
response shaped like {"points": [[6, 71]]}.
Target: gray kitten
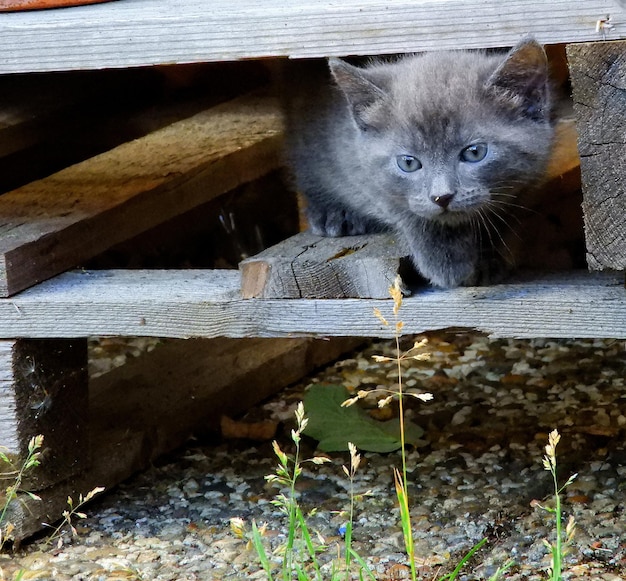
{"points": [[438, 147]]}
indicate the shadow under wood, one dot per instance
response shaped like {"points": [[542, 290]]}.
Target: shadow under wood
{"points": [[152, 404]]}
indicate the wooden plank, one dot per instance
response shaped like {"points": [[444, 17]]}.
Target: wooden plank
{"points": [[148, 32], [56, 223], [154, 403], [51, 121], [599, 83], [43, 390], [310, 266], [198, 303]]}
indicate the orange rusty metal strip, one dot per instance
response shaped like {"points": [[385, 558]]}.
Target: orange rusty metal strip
{"points": [[17, 5]]}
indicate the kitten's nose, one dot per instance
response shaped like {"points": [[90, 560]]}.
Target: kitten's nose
{"points": [[443, 201]]}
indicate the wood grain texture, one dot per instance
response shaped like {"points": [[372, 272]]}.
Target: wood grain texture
{"points": [[153, 403], [183, 304], [599, 88], [146, 32], [43, 390], [56, 223], [310, 266], [9, 435]]}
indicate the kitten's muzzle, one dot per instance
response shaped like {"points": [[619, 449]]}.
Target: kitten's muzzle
{"points": [[443, 201]]}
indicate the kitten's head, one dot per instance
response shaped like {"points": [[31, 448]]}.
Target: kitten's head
{"points": [[448, 135]]}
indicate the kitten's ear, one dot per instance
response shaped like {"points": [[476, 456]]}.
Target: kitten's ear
{"points": [[364, 95], [523, 79]]}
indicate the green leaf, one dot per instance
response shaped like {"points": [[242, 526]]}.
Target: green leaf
{"points": [[334, 426]]}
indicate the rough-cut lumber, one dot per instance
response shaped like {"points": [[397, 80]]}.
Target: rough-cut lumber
{"points": [[56, 223], [208, 304], [147, 32], [310, 266], [153, 403], [599, 85], [43, 390]]}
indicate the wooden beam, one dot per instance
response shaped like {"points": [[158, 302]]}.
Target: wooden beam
{"points": [[43, 390], [598, 73], [200, 303], [148, 32], [310, 266], [59, 222], [155, 402]]}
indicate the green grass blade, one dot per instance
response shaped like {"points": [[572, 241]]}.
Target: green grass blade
{"points": [[501, 571], [363, 565], [405, 518], [306, 536], [257, 543], [452, 576], [348, 548], [302, 576]]}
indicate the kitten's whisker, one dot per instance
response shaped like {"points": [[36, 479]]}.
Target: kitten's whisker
{"points": [[504, 244], [506, 256], [477, 230], [511, 205], [494, 208], [485, 227]]}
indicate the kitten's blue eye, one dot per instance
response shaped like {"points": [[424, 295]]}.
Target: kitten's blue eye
{"points": [[474, 153], [408, 163]]}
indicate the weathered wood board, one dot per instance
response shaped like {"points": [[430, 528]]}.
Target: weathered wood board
{"points": [[43, 390], [154, 403], [598, 73], [310, 266], [56, 223], [51, 121], [183, 304], [148, 32]]}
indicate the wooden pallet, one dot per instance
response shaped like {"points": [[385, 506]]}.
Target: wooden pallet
{"points": [[97, 434]]}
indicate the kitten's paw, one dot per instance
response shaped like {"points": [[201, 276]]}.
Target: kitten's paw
{"points": [[451, 277], [335, 222], [483, 273], [489, 271]]}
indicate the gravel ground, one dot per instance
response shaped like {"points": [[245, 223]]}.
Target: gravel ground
{"points": [[480, 475]]}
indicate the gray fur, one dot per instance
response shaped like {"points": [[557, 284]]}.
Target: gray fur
{"points": [[454, 215]]}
